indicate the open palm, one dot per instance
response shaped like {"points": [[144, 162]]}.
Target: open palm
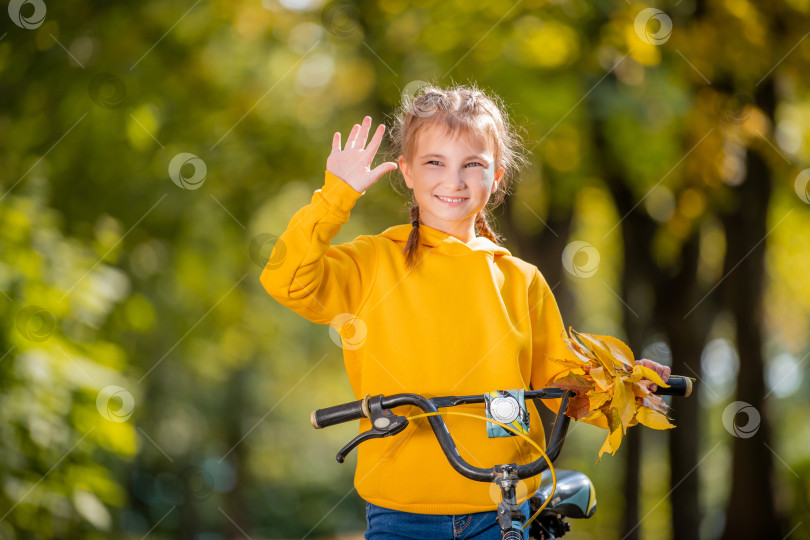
{"points": [[353, 163]]}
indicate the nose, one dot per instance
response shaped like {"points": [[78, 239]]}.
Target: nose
{"points": [[455, 181]]}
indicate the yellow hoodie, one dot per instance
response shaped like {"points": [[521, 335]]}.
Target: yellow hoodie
{"points": [[468, 319]]}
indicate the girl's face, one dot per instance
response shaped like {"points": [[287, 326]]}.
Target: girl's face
{"points": [[452, 180]]}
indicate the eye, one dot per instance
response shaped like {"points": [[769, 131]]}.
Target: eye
{"points": [[475, 163], [432, 162]]}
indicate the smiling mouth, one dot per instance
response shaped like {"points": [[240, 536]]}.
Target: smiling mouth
{"points": [[452, 200]]}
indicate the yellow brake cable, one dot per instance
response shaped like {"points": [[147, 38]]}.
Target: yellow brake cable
{"points": [[516, 432]]}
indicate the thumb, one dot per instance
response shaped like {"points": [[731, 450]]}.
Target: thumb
{"points": [[383, 168]]}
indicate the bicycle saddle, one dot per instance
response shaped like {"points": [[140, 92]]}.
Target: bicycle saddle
{"points": [[574, 498]]}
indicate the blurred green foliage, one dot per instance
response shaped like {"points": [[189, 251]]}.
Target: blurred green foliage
{"points": [[149, 386]]}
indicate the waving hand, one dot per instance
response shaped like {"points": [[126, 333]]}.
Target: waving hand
{"points": [[353, 163]]}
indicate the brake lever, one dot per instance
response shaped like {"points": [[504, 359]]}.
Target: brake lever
{"points": [[384, 423]]}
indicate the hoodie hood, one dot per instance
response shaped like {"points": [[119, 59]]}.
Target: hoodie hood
{"points": [[444, 242]]}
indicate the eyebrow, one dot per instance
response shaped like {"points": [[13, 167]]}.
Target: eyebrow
{"points": [[482, 158]]}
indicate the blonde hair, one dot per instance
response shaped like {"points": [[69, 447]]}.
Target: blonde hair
{"points": [[457, 108]]}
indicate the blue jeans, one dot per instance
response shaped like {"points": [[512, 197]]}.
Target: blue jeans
{"points": [[384, 524]]}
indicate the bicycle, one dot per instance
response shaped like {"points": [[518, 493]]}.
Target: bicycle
{"points": [[575, 495]]}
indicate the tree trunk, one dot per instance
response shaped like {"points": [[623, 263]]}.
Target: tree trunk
{"points": [[673, 289], [751, 511], [637, 231], [238, 514], [686, 336]]}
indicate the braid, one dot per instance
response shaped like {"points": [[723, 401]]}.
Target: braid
{"points": [[412, 246], [483, 228]]}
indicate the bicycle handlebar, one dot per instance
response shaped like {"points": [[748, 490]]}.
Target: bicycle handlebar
{"points": [[383, 425], [338, 414], [678, 386]]}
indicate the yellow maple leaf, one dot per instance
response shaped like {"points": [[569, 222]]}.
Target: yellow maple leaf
{"points": [[623, 403], [614, 438], [600, 378], [601, 354], [565, 362], [606, 447], [653, 419], [619, 349], [597, 399], [593, 415], [647, 373]]}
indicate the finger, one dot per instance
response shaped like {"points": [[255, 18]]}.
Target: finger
{"points": [[380, 170], [363, 135], [374, 145], [667, 373], [351, 140], [653, 388], [336, 142]]}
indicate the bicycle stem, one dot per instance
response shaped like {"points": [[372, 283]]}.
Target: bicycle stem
{"points": [[509, 516]]}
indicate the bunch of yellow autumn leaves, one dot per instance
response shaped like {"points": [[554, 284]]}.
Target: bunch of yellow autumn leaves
{"points": [[607, 382]]}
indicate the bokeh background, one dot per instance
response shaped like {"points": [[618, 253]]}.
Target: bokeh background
{"points": [[152, 152]]}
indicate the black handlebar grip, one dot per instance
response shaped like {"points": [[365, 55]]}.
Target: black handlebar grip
{"points": [[338, 414], [678, 386]]}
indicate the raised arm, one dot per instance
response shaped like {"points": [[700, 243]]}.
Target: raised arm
{"points": [[305, 272]]}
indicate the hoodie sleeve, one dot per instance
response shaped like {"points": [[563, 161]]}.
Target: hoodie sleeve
{"points": [[548, 332], [307, 274]]}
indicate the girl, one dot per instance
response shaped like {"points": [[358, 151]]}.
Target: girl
{"points": [[434, 307]]}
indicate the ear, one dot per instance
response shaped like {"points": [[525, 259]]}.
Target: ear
{"points": [[405, 167], [498, 178]]}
